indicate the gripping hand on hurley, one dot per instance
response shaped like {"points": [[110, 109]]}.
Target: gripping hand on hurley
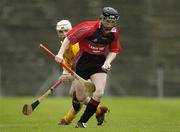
{"points": [[59, 58]]}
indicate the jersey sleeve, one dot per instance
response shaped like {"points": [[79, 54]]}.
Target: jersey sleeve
{"points": [[115, 46], [78, 32]]}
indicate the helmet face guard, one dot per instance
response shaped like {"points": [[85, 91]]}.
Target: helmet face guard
{"points": [[61, 34], [62, 28], [110, 17]]}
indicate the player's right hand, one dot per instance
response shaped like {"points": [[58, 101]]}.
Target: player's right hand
{"points": [[106, 66], [66, 77], [59, 58]]}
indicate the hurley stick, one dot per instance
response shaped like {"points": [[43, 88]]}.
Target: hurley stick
{"points": [[90, 87], [28, 109]]}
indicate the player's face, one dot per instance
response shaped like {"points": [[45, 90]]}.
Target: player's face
{"points": [[108, 24], [62, 34]]}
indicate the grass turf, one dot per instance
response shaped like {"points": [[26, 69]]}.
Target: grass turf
{"points": [[126, 115]]}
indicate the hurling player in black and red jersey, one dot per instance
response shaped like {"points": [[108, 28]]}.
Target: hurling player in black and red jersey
{"points": [[95, 38]]}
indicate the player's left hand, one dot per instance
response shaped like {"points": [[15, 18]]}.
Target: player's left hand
{"points": [[106, 66]]}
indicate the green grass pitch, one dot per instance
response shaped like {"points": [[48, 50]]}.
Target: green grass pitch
{"points": [[127, 114]]}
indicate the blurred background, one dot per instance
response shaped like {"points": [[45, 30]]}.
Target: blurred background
{"points": [[149, 34]]}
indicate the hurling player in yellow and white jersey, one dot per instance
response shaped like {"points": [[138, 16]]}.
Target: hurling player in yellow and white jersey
{"points": [[62, 28]]}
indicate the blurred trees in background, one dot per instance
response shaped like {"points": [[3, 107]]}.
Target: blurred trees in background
{"points": [[149, 33]]}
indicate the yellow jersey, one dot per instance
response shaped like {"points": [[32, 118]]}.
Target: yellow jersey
{"points": [[70, 54]]}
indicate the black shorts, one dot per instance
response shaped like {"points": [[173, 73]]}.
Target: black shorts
{"points": [[87, 64]]}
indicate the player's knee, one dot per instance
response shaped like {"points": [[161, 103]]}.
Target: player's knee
{"points": [[81, 98], [98, 95]]}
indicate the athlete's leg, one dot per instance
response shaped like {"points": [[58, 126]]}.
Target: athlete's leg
{"points": [[101, 110], [71, 114], [99, 79], [75, 102]]}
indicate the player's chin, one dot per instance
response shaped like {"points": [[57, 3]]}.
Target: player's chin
{"points": [[108, 29], [106, 70], [61, 37]]}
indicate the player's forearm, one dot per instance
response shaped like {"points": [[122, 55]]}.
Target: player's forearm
{"points": [[64, 46], [110, 57]]}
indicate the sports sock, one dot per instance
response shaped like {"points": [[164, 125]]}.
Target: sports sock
{"points": [[89, 111], [76, 104], [98, 110], [69, 116]]}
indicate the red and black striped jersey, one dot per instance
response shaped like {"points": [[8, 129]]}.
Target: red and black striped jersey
{"points": [[93, 40]]}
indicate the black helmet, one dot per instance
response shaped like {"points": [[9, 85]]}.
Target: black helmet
{"points": [[110, 13]]}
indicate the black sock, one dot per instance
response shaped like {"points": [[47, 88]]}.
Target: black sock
{"points": [[89, 111], [76, 104]]}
